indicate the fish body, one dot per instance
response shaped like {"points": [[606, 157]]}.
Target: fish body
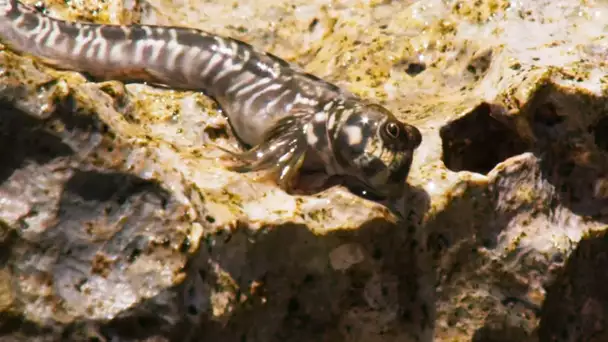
{"points": [[289, 119]]}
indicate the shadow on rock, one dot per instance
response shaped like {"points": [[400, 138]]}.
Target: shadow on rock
{"points": [[109, 246], [283, 283], [570, 130], [298, 286], [556, 173], [24, 139], [576, 302], [477, 284], [566, 130], [115, 264]]}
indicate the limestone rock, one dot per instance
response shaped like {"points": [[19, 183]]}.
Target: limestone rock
{"points": [[118, 223]]}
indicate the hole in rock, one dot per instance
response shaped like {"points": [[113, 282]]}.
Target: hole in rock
{"points": [[414, 69], [600, 134], [578, 286], [480, 63], [547, 121], [24, 139], [547, 115], [216, 132], [477, 142]]}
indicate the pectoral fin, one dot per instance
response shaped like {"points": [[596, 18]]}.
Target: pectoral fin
{"points": [[281, 154]]}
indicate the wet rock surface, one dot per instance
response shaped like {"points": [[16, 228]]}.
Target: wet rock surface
{"points": [[118, 223]]}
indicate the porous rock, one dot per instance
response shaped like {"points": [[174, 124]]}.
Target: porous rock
{"points": [[117, 222]]}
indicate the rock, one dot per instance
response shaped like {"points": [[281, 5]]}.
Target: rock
{"points": [[118, 223]]}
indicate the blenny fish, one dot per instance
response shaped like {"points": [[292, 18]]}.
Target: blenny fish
{"points": [[289, 120]]}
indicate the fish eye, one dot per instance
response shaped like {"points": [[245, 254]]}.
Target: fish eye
{"points": [[392, 129]]}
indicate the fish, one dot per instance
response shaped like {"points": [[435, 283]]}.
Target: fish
{"points": [[289, 121]]}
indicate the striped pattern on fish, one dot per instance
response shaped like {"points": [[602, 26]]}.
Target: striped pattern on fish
{"points": [[290, 119]]}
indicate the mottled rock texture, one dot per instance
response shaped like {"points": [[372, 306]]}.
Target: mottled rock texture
{"points": [[117, 223]]}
